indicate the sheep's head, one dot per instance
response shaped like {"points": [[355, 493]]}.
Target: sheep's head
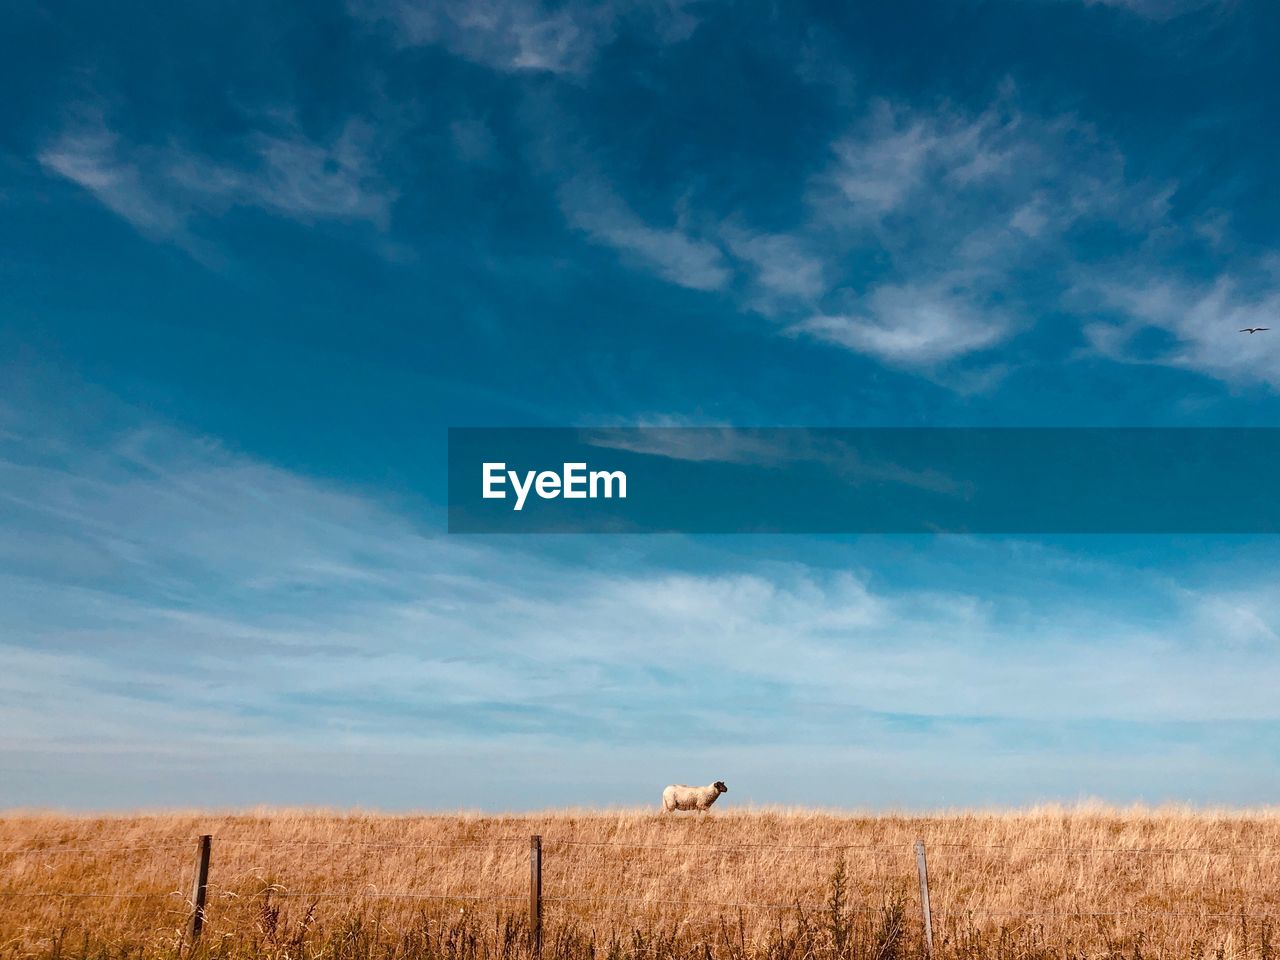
{"points": [[720, 787]]}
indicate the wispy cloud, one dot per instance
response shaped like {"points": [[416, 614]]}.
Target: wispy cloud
{"points": [[504, 34], [879, 168], [91, 155], [162, 189], [957, 203], [1191, 325], [592, 206], [943, 210], [524, 35], [782, 267], [894, 153], [666, 438], [912, 326], [1156, 9]]}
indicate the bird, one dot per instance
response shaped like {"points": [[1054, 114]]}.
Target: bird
{"points": [[1254, 329]]}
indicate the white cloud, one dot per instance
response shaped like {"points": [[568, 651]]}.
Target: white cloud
{"points": [[877, 174], [1199, 324], [954, 204], [505, 34], [591, 205], [938, 214], [1237, 617], [674, 441], [524, 35], [161, 189], [911, 326], [91, 155], [782, 267], [312, 181], [884, 164], [1156, 9], [945, 178]]}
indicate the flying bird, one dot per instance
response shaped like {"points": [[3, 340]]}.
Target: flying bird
{"points": [[1254, 329]]}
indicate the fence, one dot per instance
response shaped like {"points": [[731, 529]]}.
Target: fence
{"points": [[913, 862]]}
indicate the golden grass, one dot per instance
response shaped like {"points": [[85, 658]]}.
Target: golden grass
{"points": [[1081, 881]]}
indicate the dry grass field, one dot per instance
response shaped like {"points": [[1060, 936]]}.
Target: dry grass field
{"points": [[784, 885]]}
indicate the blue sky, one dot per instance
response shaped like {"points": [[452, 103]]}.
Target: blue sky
{"points": [[256, 258]]}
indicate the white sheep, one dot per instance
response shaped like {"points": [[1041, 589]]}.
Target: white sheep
{"points": [[679, 797]]}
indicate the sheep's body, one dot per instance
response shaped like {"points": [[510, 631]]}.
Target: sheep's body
{"points": [[680, 797]]}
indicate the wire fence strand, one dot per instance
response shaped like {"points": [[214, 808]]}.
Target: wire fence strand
{"points": [[715, 904], [808, 848], [1080, 914], [79, 894], [380, 895], [374, 844], [42, 851], [1250, 853]]}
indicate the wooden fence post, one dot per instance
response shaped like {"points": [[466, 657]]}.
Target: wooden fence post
{"points": [[535, 895], [922, 868], [200, 888]]}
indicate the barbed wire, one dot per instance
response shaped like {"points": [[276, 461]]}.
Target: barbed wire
{"points": [[1248, 854], [488, 842], [80, 894], [380, 895], [1134, 913], [272, 891], [223, 841], [942, 915], [718, 846], [714, 904], [41, 851], [374, 844]]}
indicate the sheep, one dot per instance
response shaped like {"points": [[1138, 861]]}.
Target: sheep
{"points": [[679, 797]]}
